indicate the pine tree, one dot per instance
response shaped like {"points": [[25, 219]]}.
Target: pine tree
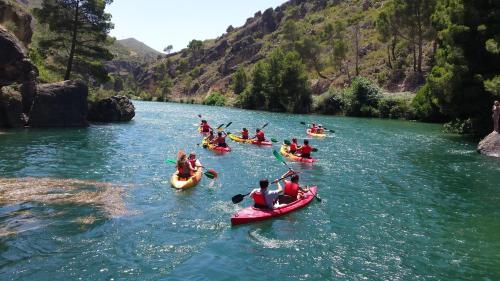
{"points": [[239, 81], [79, 35]]}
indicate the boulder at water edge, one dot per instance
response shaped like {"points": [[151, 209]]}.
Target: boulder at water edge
{"points": [[62, 104], [11, 108], [112, 109], [490, 145], [14, 66]]}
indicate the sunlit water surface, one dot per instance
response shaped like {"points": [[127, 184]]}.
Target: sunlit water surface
{"points": [[401, 201]]}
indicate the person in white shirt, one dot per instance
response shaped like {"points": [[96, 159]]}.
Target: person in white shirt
{"points": [[263, 197]]}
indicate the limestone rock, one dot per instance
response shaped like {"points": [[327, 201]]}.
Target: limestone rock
{"points": [[14, 66], [11, 108], [113, 109], [62, 104], [490, 145]]}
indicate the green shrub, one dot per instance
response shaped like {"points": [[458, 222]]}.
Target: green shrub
{"points": [[145, 96], [396, 107], [425, 105], [331, 102], [215, 98], [363, 98], [459, 126]]}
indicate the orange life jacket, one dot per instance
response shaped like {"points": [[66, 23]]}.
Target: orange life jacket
{"points": [[259, 199], [291, 189]]}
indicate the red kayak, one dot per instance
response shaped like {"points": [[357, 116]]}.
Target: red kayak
{"points": [[252, 214]]}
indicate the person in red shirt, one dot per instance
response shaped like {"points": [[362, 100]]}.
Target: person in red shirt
{"points": [[259, 135], [220, 140], [183, 168], [293, 146], [314, 128], [292, 189], [205, 128], [305, 150], [244, 134]]}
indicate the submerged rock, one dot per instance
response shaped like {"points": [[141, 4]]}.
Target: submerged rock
{"points": [[112, 109], [62, 104], [490, 145]]}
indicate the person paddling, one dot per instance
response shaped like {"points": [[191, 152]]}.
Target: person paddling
{"points": [[183, 168], [313, 128], [205, 128], [194, 163], [293, 146], [292, 190], [320, 129], [259, 135], [244, 134], [305, 150], [264, 198], [220, 140]]}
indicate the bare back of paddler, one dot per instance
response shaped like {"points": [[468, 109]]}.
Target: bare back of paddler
{"points": [[496, 116]]}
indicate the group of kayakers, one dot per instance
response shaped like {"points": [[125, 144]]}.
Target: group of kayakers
{"points": [[189, 169], [219, 139], [317, 129]]}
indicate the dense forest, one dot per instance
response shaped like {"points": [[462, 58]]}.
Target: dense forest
{"points": [[428, 60]]}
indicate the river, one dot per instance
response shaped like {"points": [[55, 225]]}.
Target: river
{"points": [[401, 201]]}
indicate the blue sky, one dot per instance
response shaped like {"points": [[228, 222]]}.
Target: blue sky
{"points": [[159, 23]]}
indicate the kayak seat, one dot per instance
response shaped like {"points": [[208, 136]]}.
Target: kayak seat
{"points": [[286, 199], [257, 206]]}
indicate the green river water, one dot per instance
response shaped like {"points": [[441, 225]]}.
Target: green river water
{"points": [[401, 201]]}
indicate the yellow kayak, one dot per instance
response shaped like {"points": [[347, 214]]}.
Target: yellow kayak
{"points": [[293, 157], [251, 141], [191, 182], [315, 135]]}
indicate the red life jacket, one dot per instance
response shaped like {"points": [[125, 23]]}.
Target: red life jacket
{"points": [[306, 149], [259, 199], [205, 127], [260, 136], [314, 129], [291, 189], [221, 140], [193, 163], [293, 147], [244, 134]]}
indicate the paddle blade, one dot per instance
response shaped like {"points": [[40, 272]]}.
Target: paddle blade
{"points": [[220, 126], [211, 174], [278, 156], [199, 115], [238, 198], [303, 123], [229, 124], [274, 140], [265, 125], [287, 142], [170, 161], [314, 150]]}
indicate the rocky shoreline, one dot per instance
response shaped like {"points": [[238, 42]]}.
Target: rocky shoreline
{"points": [[26, 103]]}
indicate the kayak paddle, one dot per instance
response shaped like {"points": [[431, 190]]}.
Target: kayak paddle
{"points": [[265, 125], [239, 197]]}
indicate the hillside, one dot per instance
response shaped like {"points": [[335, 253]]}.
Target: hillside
{"points": [[195, 72], [138, 49]]}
